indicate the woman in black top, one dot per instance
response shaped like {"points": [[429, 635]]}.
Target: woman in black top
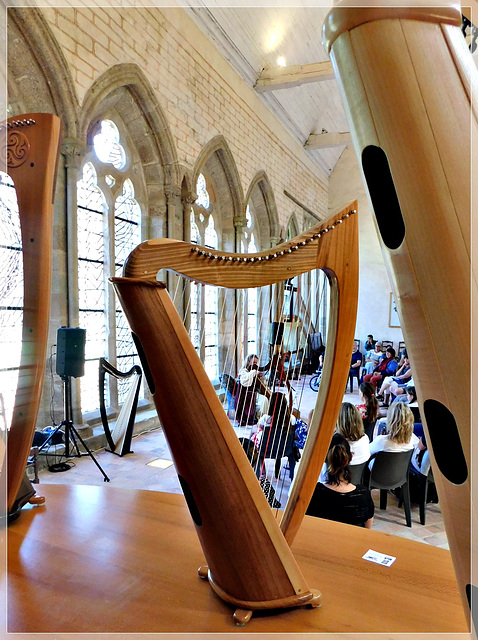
{"points": [[338, 499]]}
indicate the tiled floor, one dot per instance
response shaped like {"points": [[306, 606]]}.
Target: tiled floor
{"points": [[132, 471]]}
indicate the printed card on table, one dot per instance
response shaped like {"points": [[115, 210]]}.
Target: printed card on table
{"points": [[379, 558]]}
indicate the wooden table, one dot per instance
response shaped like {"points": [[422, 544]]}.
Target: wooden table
{"points": [[102, 559]]}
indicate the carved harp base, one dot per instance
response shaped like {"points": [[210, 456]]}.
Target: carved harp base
{"points": [[245, 608]]}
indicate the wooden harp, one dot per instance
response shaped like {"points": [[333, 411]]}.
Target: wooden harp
{"points": [[119, 439], [31, 146], [249, 560], [413, 141]]}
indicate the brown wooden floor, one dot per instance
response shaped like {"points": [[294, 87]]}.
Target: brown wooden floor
{"points": [[109, 560]]}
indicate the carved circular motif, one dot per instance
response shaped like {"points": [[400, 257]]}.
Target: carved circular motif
{"points": [[18, 149]]}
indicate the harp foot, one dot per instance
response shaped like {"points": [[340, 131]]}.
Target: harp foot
{"points": [[203, 572], [316, 599], [241, 616], [37, 500]]}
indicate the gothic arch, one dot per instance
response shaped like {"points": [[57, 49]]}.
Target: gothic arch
{"points": [[262, 197], [217, 160], [125, 88], [39, 77]]}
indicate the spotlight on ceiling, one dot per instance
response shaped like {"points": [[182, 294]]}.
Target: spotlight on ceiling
{"points": [[281, 61]]}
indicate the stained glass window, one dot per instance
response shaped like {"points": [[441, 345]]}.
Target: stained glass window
{"points": [[92, 273], [211, 349], [11, 298], [108, 230]]}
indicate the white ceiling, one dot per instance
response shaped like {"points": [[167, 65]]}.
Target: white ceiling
{"points": [[253, 38]]}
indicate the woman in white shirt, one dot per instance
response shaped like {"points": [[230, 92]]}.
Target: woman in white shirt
{"points": [[350, 427], [399, 435]]}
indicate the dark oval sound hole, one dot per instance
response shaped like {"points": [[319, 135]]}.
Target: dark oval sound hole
{"points": [[384, 196], [144, 362], [193, 508], [446, 441]]}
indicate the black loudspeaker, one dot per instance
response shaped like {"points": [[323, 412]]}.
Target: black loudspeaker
{"points": [[70, 352], [276, 333]]}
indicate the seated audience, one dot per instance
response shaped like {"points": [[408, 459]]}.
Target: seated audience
{"points": [[372, 358], [391, 383], [399, 434], [249, 385], [368, 407], [338, 499], [386, 367]]}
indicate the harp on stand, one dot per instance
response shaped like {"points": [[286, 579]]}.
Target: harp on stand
{"points": [[31, 145], [415, 152], [249, 561], [119, 439]]}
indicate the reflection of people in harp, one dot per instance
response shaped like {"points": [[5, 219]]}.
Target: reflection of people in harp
{"points": [[249, 384]]}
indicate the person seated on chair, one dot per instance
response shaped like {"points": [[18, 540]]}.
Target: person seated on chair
{"points": [[249, 385], [386, 367], [337, 498], [356, 361], [398, 434], [391, 383], [281, 422], [372, 358], [369, 343], [368, 407], [350, 426]]}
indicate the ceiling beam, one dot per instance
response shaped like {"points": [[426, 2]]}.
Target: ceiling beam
{"points": [[293, 76], [323, 140]]}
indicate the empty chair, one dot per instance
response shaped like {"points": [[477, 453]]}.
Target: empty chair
{"points": [[354, 373], [390, 471]]}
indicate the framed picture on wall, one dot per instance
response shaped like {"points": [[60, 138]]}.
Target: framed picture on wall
{"points": [[394, 320]]}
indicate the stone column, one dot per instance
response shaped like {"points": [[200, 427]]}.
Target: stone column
{"points": [[73, 151]]}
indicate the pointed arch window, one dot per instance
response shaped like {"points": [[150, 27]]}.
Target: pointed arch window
{"points": [[203, 309], [109, 227]]}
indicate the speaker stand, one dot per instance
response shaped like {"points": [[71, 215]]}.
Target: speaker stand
{"points": [[71, 434]]}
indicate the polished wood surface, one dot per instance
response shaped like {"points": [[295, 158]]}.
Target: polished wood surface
{"points": [[108, 560], [407, 82], [32, 144]]}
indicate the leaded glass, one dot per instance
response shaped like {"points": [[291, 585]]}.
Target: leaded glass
{"points": [[11, 297], [91, 280], [211, 337]]}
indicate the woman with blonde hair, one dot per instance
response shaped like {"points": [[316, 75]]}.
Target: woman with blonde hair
{"points": [[350, 426], [399, 434]]}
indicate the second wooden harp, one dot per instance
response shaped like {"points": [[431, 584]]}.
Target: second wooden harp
{"points": [[249, 560]]}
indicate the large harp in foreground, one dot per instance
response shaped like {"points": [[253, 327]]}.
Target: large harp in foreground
{"points": [[32, 144], [249, 560], [407, 79]]}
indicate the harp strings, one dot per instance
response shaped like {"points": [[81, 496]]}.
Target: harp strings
{"points": [[243, 326]]}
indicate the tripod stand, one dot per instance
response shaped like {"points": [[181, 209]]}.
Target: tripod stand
{"points": [[71, 434]]}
